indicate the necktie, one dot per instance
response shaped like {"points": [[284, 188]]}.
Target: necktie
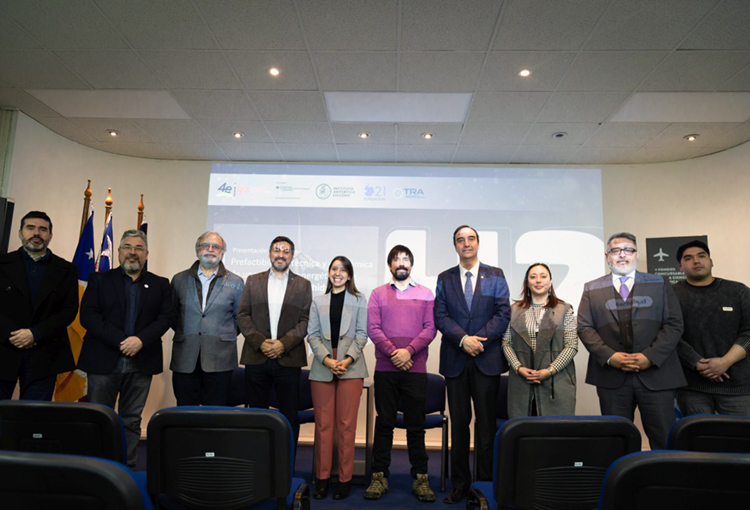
{"points": [[468, 292], [624, 291]]}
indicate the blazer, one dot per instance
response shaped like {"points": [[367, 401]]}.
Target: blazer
{"points": [[254, 321], [209, 332], [55, 308], [488, 317], [103, 310], [352, 336], [657, 329]]}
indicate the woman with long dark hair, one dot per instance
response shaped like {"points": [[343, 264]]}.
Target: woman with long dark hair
{"points": [[540, 344], [337, 334]]}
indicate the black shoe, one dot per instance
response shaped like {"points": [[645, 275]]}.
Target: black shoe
{"points": [[455, 496], [321, 489], [342, 490]]}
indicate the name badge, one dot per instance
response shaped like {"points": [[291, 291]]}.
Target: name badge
{"points": [[728, 309]]}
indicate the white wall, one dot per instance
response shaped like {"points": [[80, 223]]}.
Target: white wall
{"points": [[707, 195]]}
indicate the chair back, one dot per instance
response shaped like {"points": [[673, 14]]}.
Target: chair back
{"points": [[662, 479], [218, 457], [711, 433], [45, 480], [74, 428], [558, 462]]}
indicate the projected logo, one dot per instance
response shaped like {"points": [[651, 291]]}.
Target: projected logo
{"points": [[323, 191], [408, 193], [231, 190]]}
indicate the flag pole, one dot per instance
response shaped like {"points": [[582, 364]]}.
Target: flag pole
{"points": [[86, 204], [141, 207], [107, 206]]}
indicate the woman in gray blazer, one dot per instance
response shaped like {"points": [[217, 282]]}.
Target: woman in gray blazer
{"points": [[337, 334]]}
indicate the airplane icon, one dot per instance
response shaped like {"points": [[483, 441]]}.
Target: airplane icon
{"points": [[661, 255]]}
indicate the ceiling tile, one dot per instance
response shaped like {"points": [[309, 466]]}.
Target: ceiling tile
{"points": [[581, 106], [309, 152], [299, 132], [37, 69], [192, 69], [411, 134], [710, 132], [506, 107], [647, 25], [738, 82], [443, 71], [371, 153], [737, 136], [381, 133], [223, 131], [166, 25], [725, 28], [289, 106], [173, 131], [251, 151], [610, 71], [141, 150], [360, 24], [625, 134], [601, 156], [494, 134], [196, 151], [64, 127], [72, 24], [216, 104], [356, 71], [252, 68], [448, 25], [17, 98], [576, 133], [538, 25], [13, 37], [253, 24], [502, 68], [662, 154], [425, 153], [499, 154], [97, 129], [695, 70], [111, 69], [543, 155], [706, 151]]}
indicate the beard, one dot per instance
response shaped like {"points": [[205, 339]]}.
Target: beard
{"points": [[400, 274], [284, 265], [623, 270], [208, 262], [34, 248], [131, 266]]}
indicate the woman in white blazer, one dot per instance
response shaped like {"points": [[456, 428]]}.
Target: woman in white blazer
{"points": [[337, 334]]}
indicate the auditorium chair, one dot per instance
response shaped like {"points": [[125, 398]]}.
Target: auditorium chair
{"points": [[711, 433], [555, 463], [50, 480], [223, 459], [662, 479]]}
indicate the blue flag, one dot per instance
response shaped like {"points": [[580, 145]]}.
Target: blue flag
{"points": [[84, 257], [144, 229], [105, 255]]}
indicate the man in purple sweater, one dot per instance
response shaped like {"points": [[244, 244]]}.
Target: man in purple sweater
{"points": [[401, 325]]}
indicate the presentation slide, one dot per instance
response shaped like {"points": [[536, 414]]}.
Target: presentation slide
{"points": [[523, 215]]}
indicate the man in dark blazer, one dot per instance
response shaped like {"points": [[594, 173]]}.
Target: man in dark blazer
{"points": [[125, 312], [39, 300], [472, 312], [206, 299], [631, 323], [273, 315]]}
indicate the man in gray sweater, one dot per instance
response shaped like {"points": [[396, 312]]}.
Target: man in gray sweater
{"points": [[714, 345]]}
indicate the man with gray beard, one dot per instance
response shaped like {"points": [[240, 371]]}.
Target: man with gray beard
{"points": [[204, 350], [125, 311], [631, 323]]}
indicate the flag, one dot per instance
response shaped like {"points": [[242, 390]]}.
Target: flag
{"points": [[144, 228], [104, 263], [71, 385]]}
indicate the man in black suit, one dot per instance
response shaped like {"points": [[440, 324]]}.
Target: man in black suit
{"points": [[125, 312], [39, 300], [472, 312]]}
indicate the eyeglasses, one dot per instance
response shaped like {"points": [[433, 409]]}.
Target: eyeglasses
{"points": [[617, 251], [281, 250], [130, 247], [214, 246]]}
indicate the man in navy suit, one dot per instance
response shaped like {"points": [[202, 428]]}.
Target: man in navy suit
{"points": [[472, 312], [125, 312]]}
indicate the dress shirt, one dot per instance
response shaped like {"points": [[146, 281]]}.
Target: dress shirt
{"points": [[628, 283], [474, 275], [402, 285], [205, 284], [276, 292]]}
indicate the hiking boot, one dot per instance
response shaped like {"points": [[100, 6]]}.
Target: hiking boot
{"points": [[378, 486], [420, 487]]}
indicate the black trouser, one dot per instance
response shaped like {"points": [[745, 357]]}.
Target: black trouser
{"points": [[31, 389], [201, 388], [285, 383], [411, 390]]}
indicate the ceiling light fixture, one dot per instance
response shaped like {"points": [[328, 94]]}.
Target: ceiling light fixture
{"points": [[113, 133], [237, 134], [559, 135], [524, 73], [274, 71], [428, 136], [691, 138], [364, 135]]}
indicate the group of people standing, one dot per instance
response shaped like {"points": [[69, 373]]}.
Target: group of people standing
{"points": [[637, 328]]}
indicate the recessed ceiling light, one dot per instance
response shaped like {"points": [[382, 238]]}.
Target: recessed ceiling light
{"points": [[524, 73], [113, 133], [428, 136], [237, 134], [691, 138], [364, 134], [559, 134], [274, 71]]}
